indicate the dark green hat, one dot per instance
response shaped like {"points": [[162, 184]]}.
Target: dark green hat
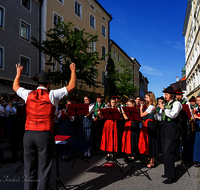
{"points": [[44, 77]]}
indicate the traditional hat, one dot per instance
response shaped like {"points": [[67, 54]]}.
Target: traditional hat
{"points": [[115, 96], [178, 91], [162, 98], [99, 96], [44, 77], [192, 99], [169, 90]]}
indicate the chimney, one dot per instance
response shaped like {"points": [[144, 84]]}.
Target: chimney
{"points": [[176, 79]]}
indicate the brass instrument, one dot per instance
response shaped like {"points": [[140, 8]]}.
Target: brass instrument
{"points": [[192, 121]]}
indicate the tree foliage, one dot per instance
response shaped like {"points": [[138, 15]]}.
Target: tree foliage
{"points": [[123, 80], [66, 45]]}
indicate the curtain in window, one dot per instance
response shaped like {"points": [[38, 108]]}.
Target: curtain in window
{"points": [[24, 63], [1, 17], [24, 31]]}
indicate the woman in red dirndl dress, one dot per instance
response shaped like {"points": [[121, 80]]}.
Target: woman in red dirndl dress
{"points": [[130, 135], [148, 136], [107, 142]]}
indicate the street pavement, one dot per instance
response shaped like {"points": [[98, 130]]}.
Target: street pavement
{"points": [[89, 176]]}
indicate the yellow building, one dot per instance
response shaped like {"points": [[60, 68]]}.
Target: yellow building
{"points": [[84, 14], [118, 55], [192, 48]]}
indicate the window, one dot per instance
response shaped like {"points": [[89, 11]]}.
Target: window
{"points": [[103, 77], [26, 4], [103, 18], [25, 30], [118, 57], [56, 19], [1, 57], [78, 8], [92, 47], [104, 52], [76, 30], [114, 54], [62, 1], [25, 62], [92, 21], [92, 7], [1, 17], [103, 31]]}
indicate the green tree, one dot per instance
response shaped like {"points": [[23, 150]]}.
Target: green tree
{"points": [[123, 80], [67, 45]]}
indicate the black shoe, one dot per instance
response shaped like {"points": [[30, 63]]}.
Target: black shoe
{"points": [[163, 176], [169, 181]]}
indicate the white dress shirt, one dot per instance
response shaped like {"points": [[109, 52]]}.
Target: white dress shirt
{"points": [[173, 113], [55, 95], [10, 111], [2, 110]]}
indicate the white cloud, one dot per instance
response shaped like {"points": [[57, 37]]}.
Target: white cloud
{"points": [[151, 71]]}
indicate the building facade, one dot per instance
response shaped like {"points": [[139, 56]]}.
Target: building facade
{"points": [[19, 21], [143, 85], [84, 14], [120, 56], [192, 48]]}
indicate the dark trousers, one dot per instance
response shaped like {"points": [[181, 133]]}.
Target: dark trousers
{"points": [[169, 136], [38, 158]]}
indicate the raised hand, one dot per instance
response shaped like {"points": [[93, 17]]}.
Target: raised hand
{"points": [[19, 69]]}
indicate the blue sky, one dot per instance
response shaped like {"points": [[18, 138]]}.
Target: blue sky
{"points": [[151, 32]]}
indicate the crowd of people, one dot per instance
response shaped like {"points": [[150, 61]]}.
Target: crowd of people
{"points": [[165, 127]]}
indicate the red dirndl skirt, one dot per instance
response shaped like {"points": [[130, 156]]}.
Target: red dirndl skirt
{"points": [[107, 141], [143, 144], [126, 139]]}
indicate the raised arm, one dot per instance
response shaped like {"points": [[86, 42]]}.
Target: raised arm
{"points": [[72, 83], [16, 82]]}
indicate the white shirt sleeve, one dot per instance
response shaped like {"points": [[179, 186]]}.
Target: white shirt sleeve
{"points": [[1, 110], [23, 93], [173, 113], [148, 110], [190, 110], [56, 95]]}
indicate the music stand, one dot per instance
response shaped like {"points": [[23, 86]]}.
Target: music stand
{"points": [[61, 142], [78, 110], [185, 114], [133, 114], [111, 114]]}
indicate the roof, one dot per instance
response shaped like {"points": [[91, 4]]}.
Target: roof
{"points": [[132, 60], [187, 16], [103, 9], [184, 78]]}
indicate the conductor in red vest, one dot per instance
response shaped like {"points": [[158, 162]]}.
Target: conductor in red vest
{"points": [[38, 138]]}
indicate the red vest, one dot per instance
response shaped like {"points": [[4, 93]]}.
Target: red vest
{"points": [[39, 111]]}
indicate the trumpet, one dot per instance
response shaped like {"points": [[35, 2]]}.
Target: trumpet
{"points": [[192, 124]]}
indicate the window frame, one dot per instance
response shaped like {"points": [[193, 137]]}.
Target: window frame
{"points": [[3, 17], [55, 13], [2, 58], [29, 30], [26, 7], [94, 21], [114, 54], [63, 1], [102, 51], [29, 64], [76, 1], [102, 30]]}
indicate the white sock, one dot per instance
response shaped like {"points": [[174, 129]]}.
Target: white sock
{"points": [[85, 154], [88, 151]]}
